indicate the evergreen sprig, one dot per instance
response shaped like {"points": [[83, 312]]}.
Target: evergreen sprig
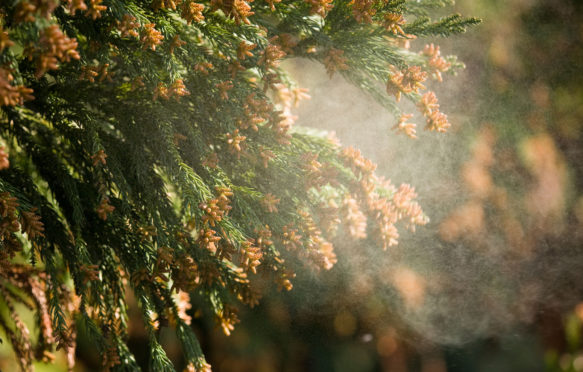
{"points": [[149, 147]]}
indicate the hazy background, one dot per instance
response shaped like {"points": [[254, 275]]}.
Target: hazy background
{"points": [[493, 282]]}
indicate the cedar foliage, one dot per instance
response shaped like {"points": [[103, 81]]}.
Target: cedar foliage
{"points": [[148, 146]]}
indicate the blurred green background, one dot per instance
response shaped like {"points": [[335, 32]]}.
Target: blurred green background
{"points": [[493, 283]]}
